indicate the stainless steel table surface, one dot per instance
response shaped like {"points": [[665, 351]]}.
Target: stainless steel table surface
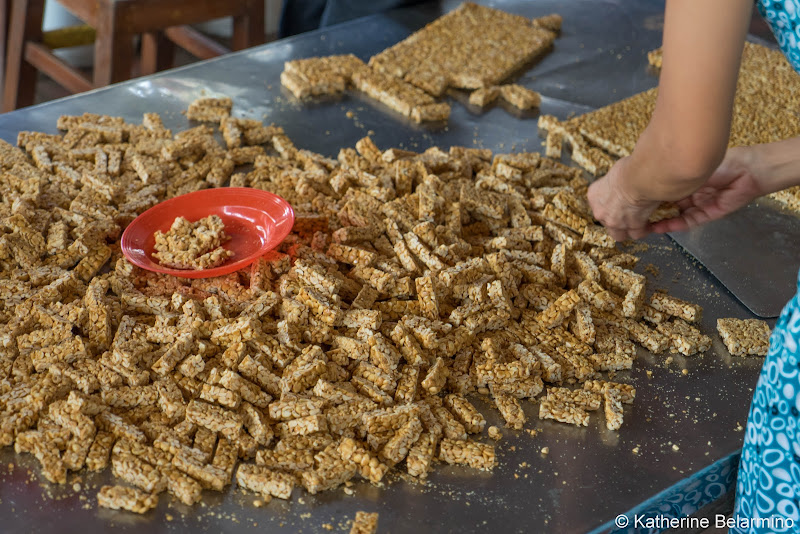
{"points": [[590, 474], [762, 269]]}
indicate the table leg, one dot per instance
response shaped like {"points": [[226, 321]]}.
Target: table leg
{"points": [[113, 48], [158, 52], [248, 28]]}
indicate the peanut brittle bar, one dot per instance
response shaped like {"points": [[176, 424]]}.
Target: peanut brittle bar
{"points": [[193, 245], [520, 97], [469, 453], [122, 498], [365, 523], [744, 336], [563, 412]]}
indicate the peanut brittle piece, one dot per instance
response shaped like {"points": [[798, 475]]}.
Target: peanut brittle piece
{"points": [[744, 336]]}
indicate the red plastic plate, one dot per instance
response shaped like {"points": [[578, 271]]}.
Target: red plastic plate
{"points": [[256, 220]]}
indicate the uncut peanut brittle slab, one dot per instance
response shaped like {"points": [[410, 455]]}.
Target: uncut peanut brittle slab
{"points": [[617, 127], [767, 87], [472, 47]]}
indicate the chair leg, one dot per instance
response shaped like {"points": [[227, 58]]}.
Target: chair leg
{"points": [[20, 78], [5, 16], [113, 47], [248, 28], [195, 43], [157, 52]]}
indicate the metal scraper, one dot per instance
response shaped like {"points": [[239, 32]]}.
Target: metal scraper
{"points": [[754, 252]]}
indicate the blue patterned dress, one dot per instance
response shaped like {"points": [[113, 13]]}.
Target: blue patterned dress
{"points": [[768, 485], [783, 17]]}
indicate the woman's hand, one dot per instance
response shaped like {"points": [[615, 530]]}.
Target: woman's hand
{"points": [[615, 206], [688, 132], [732, 186]]}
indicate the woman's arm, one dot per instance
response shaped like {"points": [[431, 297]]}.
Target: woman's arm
{"points": [[746, 173], [689, 130], [776, 165]]}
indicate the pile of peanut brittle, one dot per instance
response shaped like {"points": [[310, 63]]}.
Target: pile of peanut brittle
{"points": [[410, 282]]}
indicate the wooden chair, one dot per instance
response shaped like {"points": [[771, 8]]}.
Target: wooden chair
{"points": [[5, 19], [161, 23]]}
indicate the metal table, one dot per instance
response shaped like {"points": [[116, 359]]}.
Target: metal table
{"points": [[679, 425]]}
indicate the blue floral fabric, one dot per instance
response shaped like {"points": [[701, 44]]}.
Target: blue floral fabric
{"points": [[768, 484], [783, 17], [682, 500]]}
